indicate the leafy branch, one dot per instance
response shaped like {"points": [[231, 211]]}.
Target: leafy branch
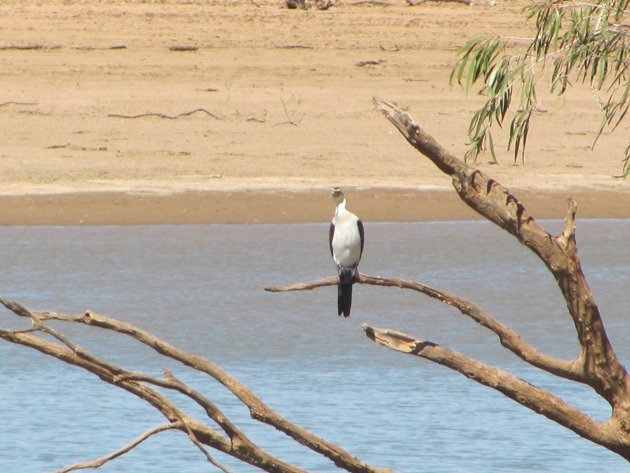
{"points": [[585, 42]]}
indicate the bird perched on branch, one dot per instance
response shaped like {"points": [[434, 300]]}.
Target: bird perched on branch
{"points": [[346, 247]]}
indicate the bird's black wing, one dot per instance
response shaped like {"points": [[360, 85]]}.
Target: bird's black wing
{"points": [[360, 225], [330, 237]]}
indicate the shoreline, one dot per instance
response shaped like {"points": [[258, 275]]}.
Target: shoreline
{"points": [[248, 206]]}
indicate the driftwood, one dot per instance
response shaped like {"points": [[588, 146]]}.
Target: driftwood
{"points": [[183, 48], [307, 4], [596, 364], [100, 48], [4, 104], [225, 437], [490, 3], [163, 115], [413, 3], [370, 62], [27, 47]]}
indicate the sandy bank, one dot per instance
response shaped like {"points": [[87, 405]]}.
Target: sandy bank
{"points": [[398, 205], [272, 104]]}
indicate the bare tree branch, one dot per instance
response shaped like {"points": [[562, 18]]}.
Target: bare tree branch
{"points": [[508, 337], [309, 285], [22, 47], [497, 204], [171, 382], [532, 397], [183, 48], [195, 441], [413, 3], [163, 115], [198, 432], [596, 365], [214, 413], [98, 462], [4, 104], [237, 445]]}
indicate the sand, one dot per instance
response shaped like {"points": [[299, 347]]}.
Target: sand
{"points": [[103, 123]]}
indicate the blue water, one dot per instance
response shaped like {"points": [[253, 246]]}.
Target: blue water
{"points": [[200, 287]]}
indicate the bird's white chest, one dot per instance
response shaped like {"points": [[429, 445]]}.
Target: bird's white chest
{"points": [[346, 242]]}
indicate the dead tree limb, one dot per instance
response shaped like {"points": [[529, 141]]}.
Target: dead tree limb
{"points": [[229, 439], [163, 115], [183, 48], [521, 391], [27, 47], [370, 62], [4, 104], [413, 3], [596, 364], [537, 399], [508, 337], [98, 462]]}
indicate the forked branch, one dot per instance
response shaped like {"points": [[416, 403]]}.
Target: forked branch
{"points": [[508, 337], [596, 365], [532, 397], [230, 440], [537, 399], [98, 462]]}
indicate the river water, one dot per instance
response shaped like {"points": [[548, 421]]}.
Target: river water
{"points": [[201, 288]]}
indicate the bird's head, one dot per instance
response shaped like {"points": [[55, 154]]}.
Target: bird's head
{"points": [[337, 195]]}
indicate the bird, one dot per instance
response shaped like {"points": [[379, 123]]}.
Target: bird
{"points": [[346, 247]]}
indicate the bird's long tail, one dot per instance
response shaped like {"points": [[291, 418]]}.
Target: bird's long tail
{"points": [[344, 291], [344, 299]]}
